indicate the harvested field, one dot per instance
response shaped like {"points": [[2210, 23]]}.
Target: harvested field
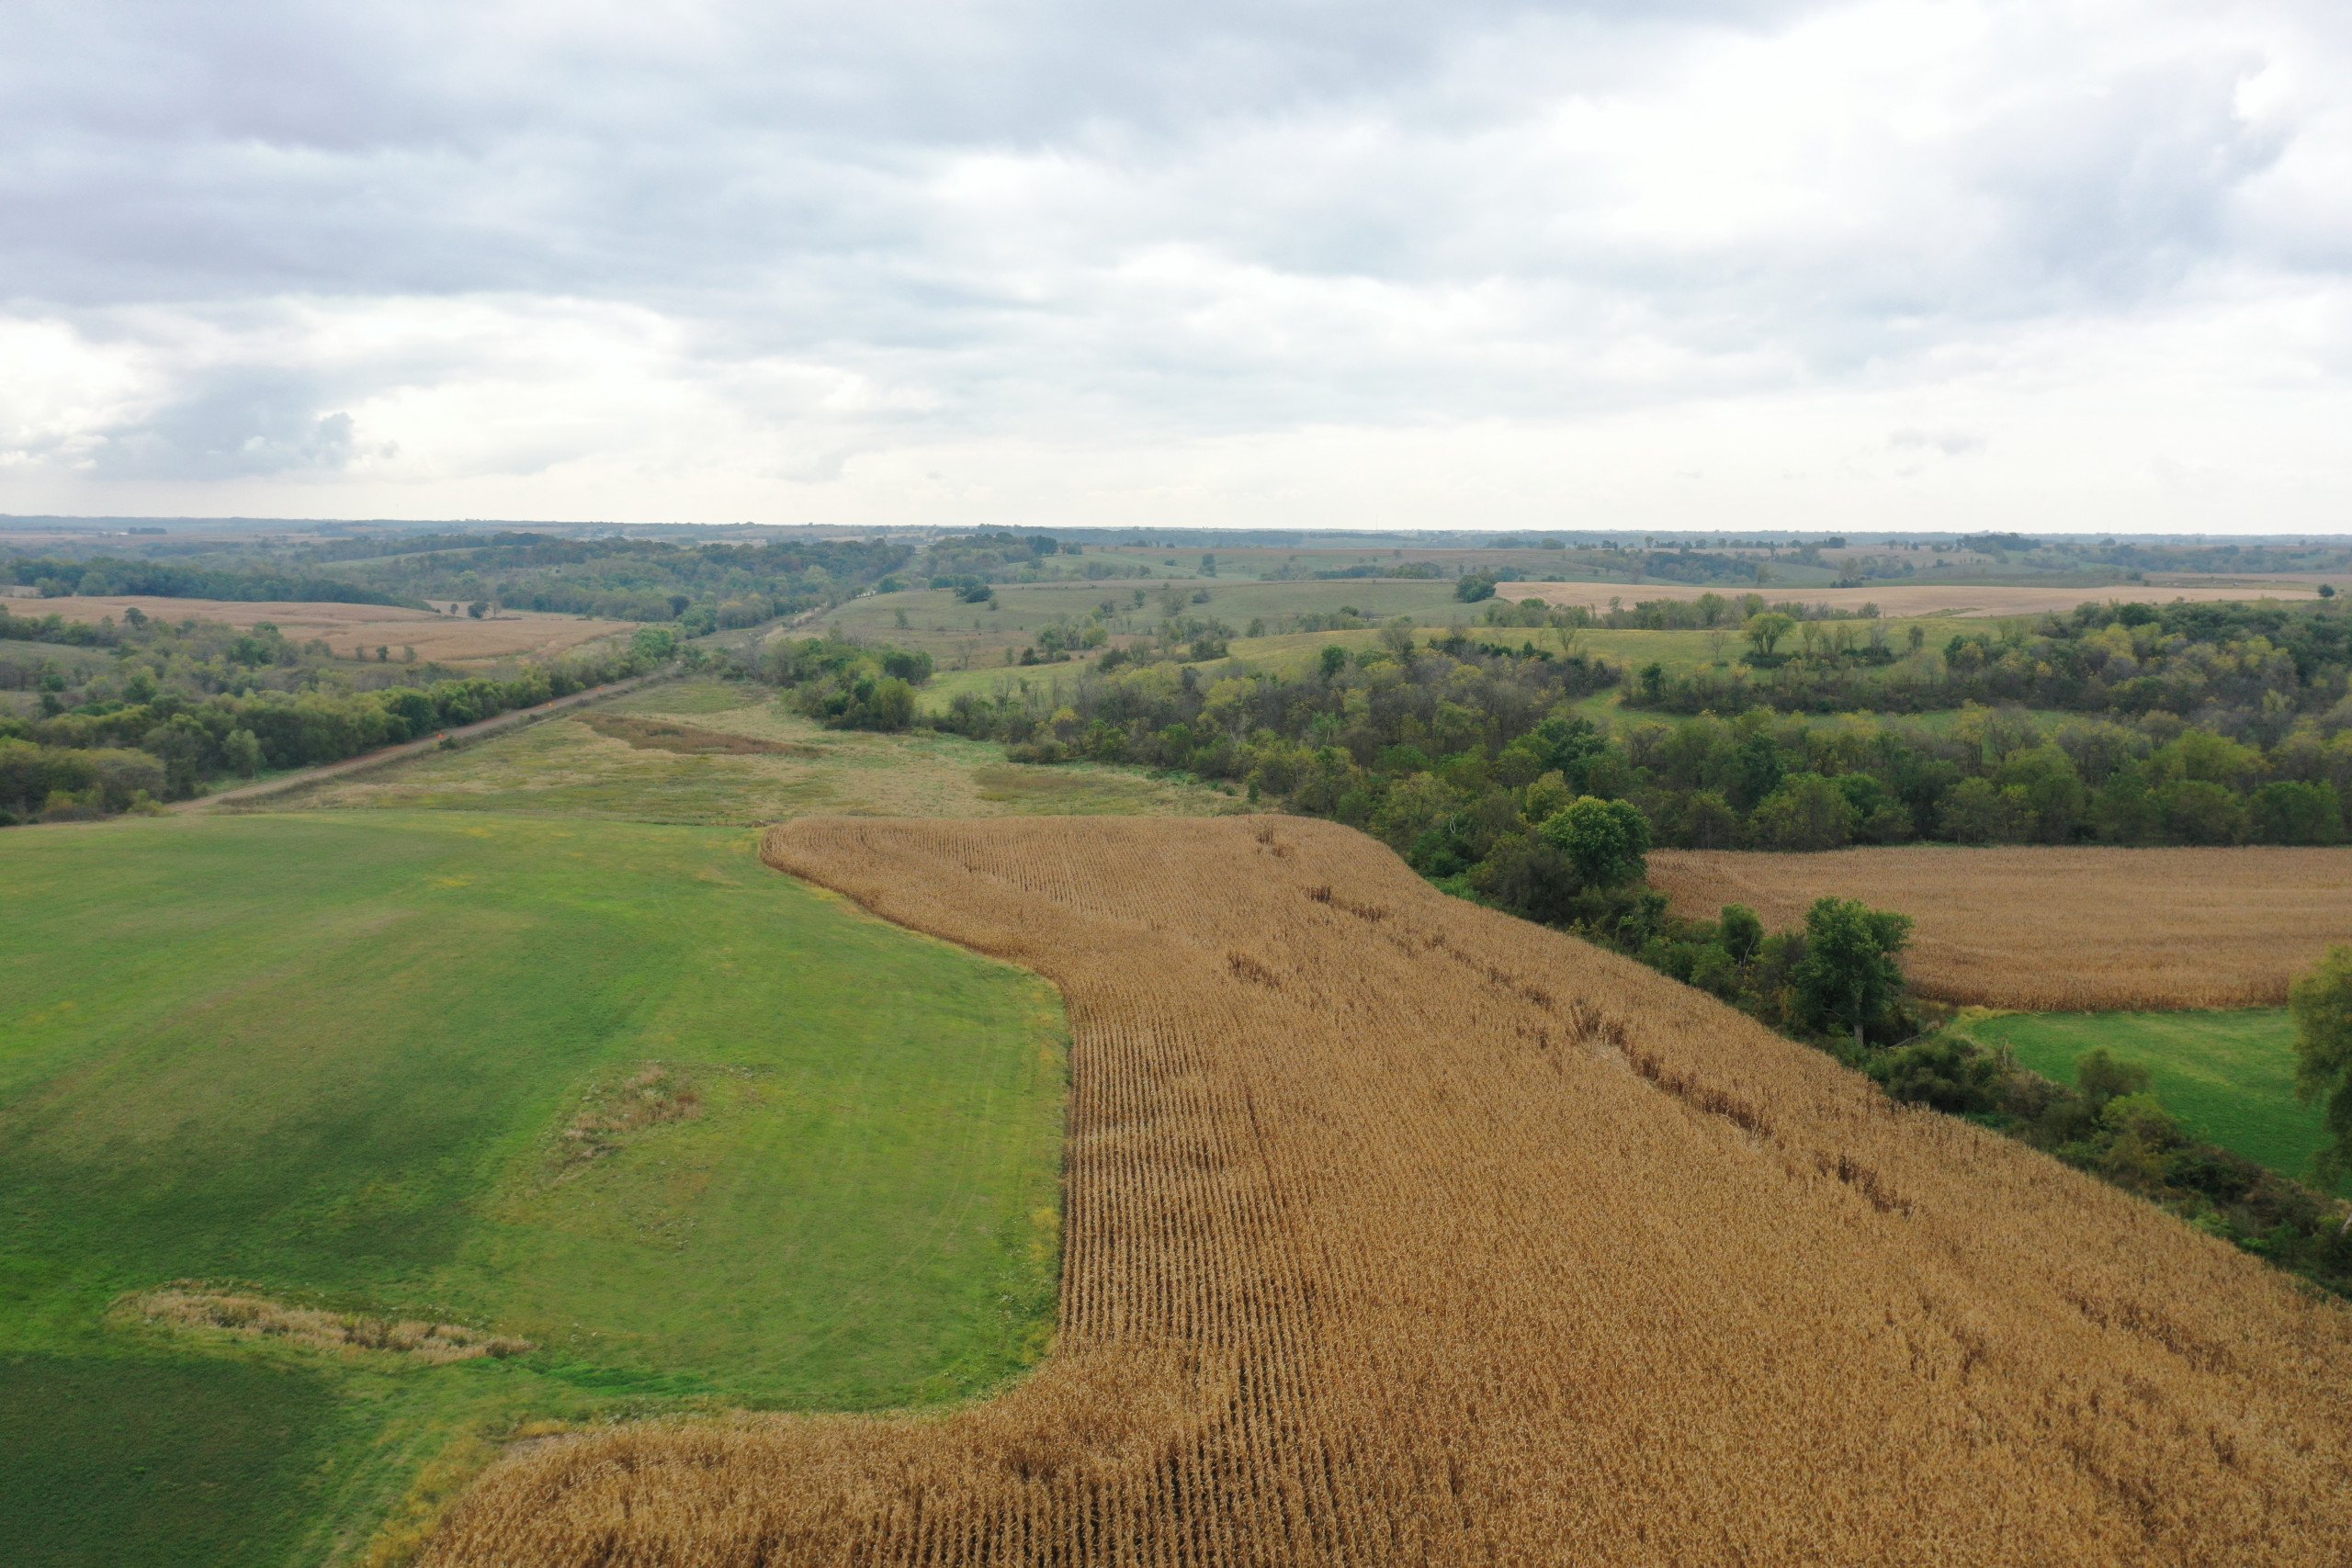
{"points": [[1905, 599], [1402, 1232], [351, 628], [2060, 929]]}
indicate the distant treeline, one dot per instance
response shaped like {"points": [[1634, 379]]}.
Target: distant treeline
{"points": [[701, 586], [110, 575]]}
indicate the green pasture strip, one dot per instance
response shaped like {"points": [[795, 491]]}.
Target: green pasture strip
{"points": [[564, 768], [2230, 1076]]}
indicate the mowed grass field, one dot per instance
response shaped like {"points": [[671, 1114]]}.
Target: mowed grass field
{"points": [[2230, 1076], [345, 1060], [711, 752], [962, 636]]}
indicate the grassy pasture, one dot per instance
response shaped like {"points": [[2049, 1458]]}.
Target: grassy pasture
{"points": [[332, 1059], [572, 768], [2230, 1076], [963, 635]]}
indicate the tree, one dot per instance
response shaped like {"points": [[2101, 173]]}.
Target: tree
{"points": [[1570, 746], [478, 609], [1807, 812], [2289, 811], [2321, 1004], [1764, 631], [1743, 932], [1606, 841], [241, 751], [1470, 589], [1332, 659], [1849, 977], [2101, 1076]]}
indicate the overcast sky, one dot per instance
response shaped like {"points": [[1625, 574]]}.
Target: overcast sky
{"points": [[2057, 265]]}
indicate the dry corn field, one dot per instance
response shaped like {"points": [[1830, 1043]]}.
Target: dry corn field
{"points": [[2059, 930], [1402, 1232]]}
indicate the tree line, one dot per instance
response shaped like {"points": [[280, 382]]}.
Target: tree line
{"points": [[180, 706]]}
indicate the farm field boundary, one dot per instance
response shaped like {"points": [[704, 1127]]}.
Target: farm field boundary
{"points": [[2059, 929], [1399, 1230]]}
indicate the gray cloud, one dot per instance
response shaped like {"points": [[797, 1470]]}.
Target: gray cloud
{"points": [[800, 237], [230, 427]]}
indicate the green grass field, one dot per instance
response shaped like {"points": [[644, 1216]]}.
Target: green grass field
{"points": [[330, 1058], [2230, 1076], [565, 767], [973, 636]]}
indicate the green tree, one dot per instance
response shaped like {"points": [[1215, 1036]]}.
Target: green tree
{"points": [[1764, 631], [241, 751], [1548, 796], [2102, 1076], [1470, 589], [2289, 811], [1807, 812], [2197, 811], [2321, 1004], [1850, 977], [1742, 932], [1606, 841]]}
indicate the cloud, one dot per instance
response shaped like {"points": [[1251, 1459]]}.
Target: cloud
{"points": [[730, 260], [1951, 443], [234, 427]]}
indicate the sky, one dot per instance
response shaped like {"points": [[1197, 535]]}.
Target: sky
{"points": [[2057, 266]]}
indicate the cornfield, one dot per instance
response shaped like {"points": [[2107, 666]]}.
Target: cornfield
{"points": [[2060, 929], [1402, 1232]]}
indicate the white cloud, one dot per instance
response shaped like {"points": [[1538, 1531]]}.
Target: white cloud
{"points": [[2081, 263]]}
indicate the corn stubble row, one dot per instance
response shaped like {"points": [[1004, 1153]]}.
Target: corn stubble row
{"points": [[2060, 929], [1402, 1232]]}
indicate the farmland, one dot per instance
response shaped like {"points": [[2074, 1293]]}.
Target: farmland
{"points": [[2051, 929], [357, 630], [961, 635], [1399, 1230], [700, 1136], [1907, 599], [2228, 1076], [730, 756]]}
